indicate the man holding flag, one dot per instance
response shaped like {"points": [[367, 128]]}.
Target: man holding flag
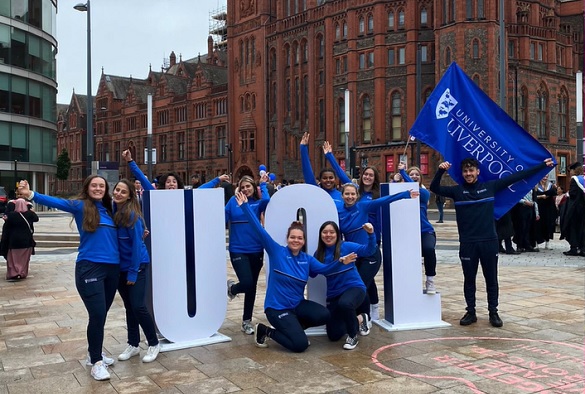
{"points": [[462, 123]]}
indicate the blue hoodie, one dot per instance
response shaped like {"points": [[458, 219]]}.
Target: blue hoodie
{"points": [[288, 273], [100, 246], [133, 251], [374, 217], [425, 195], [243, 238], [310, 177], [351, 219], [345, 276]]}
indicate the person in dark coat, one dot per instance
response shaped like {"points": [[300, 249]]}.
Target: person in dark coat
{"points": [[545, 193], [505, 231], [17, 243], [573, 224]]}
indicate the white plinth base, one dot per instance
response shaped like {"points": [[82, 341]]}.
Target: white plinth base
{"points": [[167, 346], [316, 331], [386, 325]]}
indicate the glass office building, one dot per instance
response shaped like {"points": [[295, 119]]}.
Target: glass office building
{"points": [[28, 92]]}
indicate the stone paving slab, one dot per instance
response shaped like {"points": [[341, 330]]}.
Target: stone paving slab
{"points": [[540, 349]]}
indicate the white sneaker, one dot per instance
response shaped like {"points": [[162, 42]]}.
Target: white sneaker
{"points": [[151, 354], [99, 371], [247, 327], [375, 311], [129, 352], [107, 360], [430, 287]]}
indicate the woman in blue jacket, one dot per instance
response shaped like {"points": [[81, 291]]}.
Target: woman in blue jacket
{"points": [[134, 267], [327, 177], [345, 288], [98, 259], [369, 189], [428, 238], [353, 213], [285, 305], [245, 247]]}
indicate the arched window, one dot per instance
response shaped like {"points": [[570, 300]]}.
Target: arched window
{"points": [[287, 54], [563, 114], [396, 117], [475, 48], [366, 120], [370, 23], [541, 112], [247, 51], [391, 19], [305, 50], [401, 19], [287, 97], [447, 57], [362, 25], [344, 29], [423, 17], [337, 31], [480, 9], [469, 9], [272, 59], [321, 46], [341, 121]]}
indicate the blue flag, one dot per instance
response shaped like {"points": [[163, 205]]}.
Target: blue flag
{"points": [[459, 120]]}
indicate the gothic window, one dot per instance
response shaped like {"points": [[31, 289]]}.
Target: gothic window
{"points": [[541, 112], [396, 117], [522, 108], [469, 9], [341, 120], [401, 19], [362, 25], [344, 29], [447, 57], [337, 31], [480, 9], [423, 17], [370, 23], [366, 120], [391, 20], [475, 49], [563, 114]]}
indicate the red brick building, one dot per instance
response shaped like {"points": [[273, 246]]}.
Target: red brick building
{"points": [[290, 62]]}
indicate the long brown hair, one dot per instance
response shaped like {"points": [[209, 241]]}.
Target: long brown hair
{"points": [[250, 180], [127, 214], [91, 215], [321, 247], [420, 177], [375, 186]]}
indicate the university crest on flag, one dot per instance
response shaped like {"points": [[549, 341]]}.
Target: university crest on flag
{"points": [[459, 120]]}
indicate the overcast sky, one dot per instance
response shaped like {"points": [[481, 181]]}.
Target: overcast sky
{"points": [[127, 36]]}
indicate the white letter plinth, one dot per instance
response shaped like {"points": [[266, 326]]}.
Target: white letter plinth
{"points": [[188, 257], [406, 307], [313, 206]]}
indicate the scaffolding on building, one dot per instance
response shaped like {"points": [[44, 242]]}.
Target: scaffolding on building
{"points": [[218, 27]]}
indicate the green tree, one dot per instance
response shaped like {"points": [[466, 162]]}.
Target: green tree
{"points": [[63, 165]]}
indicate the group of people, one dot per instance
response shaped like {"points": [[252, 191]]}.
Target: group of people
{"points": [[532, 222], [112, 254]]}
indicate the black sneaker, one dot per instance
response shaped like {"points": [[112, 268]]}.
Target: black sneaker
{"points": [[365, 325], [468, 319], [350, 343], [261, 335], [495, 320]]}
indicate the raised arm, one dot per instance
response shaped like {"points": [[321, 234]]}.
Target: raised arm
{"points": [[306, 162], [138, 174], [360, 249], [215, 182], [503, 183], [445, 191], [374, 205], [402, 169], [328, 151], [264, 195], [71, 206]]}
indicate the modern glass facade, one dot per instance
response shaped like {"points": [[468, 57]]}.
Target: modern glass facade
{"points": [[28, 91]]}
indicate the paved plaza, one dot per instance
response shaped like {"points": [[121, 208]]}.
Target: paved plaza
{"points": [[540, 348]]}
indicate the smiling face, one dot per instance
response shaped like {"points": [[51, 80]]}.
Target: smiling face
{"points": [[349, 195], [96, 188], [327, 180], [171, 183], [328, 235], [247, 188], [470, 174], [295, 241], [121, 193], [414, 175], [368, 178], [137, 185]]}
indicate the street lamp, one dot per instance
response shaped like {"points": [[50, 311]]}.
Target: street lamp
{"points": [[89, 112]]}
